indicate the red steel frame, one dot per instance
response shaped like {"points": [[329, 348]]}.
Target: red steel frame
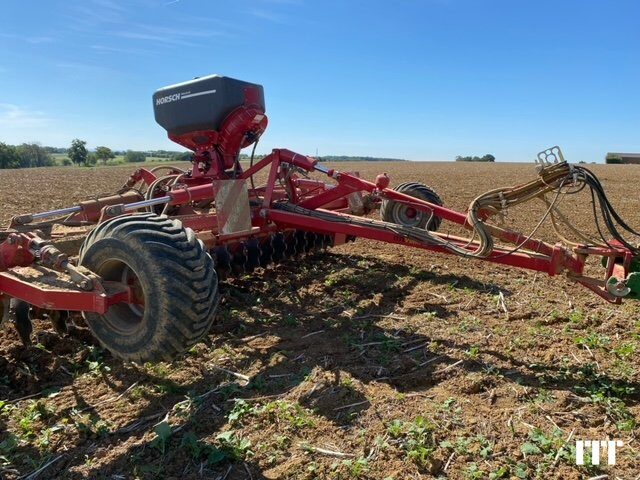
{"points": [[96, 300], [285, 183]]}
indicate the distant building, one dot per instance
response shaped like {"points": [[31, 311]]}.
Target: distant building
{"points": [[613, 157]]}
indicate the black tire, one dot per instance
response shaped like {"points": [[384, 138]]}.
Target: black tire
{"points": [[395, 212], [170, 270]]}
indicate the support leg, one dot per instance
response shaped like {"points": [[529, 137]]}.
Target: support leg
{"points": [[19, 314]]}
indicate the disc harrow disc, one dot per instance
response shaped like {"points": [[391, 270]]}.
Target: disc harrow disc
{"points": [[247, 255]]}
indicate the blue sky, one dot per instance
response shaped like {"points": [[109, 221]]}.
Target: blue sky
{"points": [[422, 80]]}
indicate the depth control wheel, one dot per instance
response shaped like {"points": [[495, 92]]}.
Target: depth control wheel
{"points": [[401, 214], [172, 279]]}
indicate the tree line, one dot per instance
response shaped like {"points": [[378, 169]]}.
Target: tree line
{"points": [[346, 158], [79, 155], [24, 156], [35, 155], [485, 158], [327, 158], [29, 155]]}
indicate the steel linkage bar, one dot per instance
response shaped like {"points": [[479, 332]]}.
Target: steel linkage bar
{"points": [[54, 298]]}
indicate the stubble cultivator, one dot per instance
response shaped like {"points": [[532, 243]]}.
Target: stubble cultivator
{"points": [[145, 276]]}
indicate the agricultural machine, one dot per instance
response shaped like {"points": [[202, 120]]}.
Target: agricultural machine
{"points": [[142, 265]]}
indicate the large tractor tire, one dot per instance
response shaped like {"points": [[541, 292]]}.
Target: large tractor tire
{"points": [[173, 279], [401, 214]]}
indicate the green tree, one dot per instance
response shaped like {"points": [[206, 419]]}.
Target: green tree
{"points": [[33, 155], [132, 156], [92, 159], [78, 151], [487, 158], [8, 156], [182, 157], [104, 154]]}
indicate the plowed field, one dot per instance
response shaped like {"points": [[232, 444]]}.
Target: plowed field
{"points": [[367, 361]]}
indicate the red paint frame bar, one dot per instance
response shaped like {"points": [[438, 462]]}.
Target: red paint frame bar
{"points": [[551, 265], [97, 300]]}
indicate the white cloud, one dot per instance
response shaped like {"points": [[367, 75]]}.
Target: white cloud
{"points": [[167, 35], [17, 117], [149, 37], [109, 49], [34, 40], [271, 17], [85, 70], [110, 5], [98, 12], [37, 40]]}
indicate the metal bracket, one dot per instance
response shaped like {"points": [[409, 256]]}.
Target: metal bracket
{"points": [[354, 200], [232, 206], [550, 156]]}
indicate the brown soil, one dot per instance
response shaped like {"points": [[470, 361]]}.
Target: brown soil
{"points": [[402, 363]]}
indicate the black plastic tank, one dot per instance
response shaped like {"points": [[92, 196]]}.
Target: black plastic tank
{"points": [[202, 103]]}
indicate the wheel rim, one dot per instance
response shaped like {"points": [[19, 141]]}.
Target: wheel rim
{"points": [[130, 279], [407, 216], [124, 318], [411, 212]]}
